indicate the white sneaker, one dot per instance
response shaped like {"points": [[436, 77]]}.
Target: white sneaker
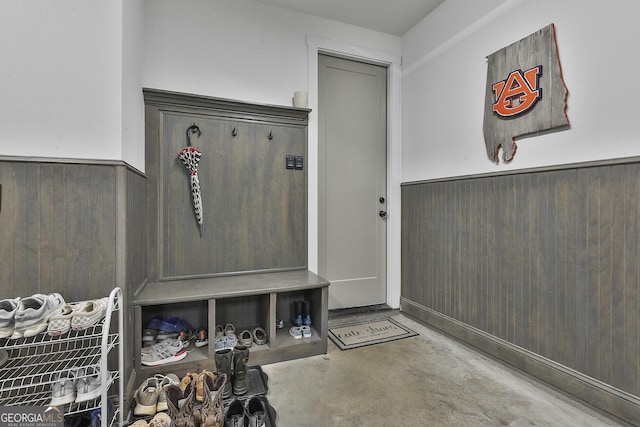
{"points": [[167, 351], [64, 388], [89, 314], [89, 387], [34, 312], [8, 308]]}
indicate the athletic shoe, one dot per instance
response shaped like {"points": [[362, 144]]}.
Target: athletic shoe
{"points": [[146, 397], [89, 387], [34, 312], [163, 383], [167, 351], [90, 313], [64, 388], [296, 332], [306, 331], [8, 308]]}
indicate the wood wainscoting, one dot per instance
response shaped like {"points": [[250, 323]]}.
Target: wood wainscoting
{"points": [[76, 227], [540, 269]]}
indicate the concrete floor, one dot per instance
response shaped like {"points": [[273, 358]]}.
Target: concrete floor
{"points": [[428, 380]]}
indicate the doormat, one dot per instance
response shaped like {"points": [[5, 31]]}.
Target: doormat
{"points": [[371, 332]]}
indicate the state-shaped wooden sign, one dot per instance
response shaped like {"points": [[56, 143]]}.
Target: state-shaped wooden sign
{"points": [[525, 93]]}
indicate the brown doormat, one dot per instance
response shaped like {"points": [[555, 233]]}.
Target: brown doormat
{"points": [[370, 332]]}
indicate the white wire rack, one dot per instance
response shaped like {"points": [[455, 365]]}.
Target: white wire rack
{"points": [[35, 363]]}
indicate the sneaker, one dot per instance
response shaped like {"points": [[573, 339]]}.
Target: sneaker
{"points": [[154, 323], [231, 341], [255, 411], [146, 397], [34, 312], [89, 387], [306, 331], [202, 338], [219, 331], [89, 314], [163, 382], [64, 388], [234, 416], [60, 323], [167, 351], [295, 332], [149, 337], [174, 325], [8, 308]]}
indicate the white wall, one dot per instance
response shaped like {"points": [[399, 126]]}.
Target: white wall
{"points": [[61, 78], [444, 77], [249, 51]]}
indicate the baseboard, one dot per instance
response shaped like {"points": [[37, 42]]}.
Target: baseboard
{"points": [[616, 402]]}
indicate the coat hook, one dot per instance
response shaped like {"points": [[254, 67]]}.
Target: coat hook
{"points": [[270, 136], [192, 130], [234, 132]]}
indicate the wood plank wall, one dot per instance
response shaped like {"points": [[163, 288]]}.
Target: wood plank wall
{"points": [[547, 261], [78, 229]]}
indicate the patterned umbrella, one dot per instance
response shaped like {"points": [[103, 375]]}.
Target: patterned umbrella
{"points": [[191, 156]]}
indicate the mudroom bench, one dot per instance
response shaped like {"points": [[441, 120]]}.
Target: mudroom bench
{"points": [[246, 301]]}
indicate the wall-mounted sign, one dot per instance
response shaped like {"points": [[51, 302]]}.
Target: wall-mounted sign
{"points": [[525, 93]]}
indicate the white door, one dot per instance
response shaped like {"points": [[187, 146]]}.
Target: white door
{"points": [[352, 139]]}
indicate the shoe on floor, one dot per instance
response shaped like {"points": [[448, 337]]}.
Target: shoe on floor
{"points": [[163, 382], [146, 397], [169, 350], [8, 308], [89, 387], [89, 314], [234, 416], [161, 419], [255, 412], [33, 314]]}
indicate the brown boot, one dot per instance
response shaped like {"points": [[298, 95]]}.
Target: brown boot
{"points": [[181, 416], [211, 414]]}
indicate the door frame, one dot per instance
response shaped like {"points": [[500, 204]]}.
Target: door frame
{"points": [[315, 46]]}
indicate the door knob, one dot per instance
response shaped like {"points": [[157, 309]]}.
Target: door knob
{"points": [[383, 214]]}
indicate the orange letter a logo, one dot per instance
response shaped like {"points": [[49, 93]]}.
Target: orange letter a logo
{"points": [[518, 93]]}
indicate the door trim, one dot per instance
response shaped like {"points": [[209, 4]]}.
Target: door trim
{"points": [[392, 61]]}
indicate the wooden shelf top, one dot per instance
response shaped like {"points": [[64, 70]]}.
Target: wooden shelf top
{"points": [[197, 289]]}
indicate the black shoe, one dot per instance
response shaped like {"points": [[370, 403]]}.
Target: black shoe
{"points": [[234, 416], [255, 412]]}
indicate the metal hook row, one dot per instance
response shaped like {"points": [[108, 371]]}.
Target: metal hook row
{"points": [[194, 129]]}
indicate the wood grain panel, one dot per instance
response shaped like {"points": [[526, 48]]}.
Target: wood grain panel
{"points": [[547, 261]]}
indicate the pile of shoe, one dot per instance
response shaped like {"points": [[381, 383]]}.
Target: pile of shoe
{"points": [[158, 329], [77, 385], [301, 320], [194, 401], [27, 317]]}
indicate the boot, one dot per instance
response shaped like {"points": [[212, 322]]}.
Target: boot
{"points": [[240, 378], [306, 313], [223, 359], [211, 413], [297, 313], [181, 416]]}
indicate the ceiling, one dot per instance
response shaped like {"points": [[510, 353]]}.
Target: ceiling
{"points": [[388, 16]]}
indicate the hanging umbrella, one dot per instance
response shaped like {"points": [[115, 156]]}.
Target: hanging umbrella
{"points": [[191, 156]]}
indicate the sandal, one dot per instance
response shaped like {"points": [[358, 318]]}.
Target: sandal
{"points": [[229, 329], [245, 338], [259, 336], [202, 338]]}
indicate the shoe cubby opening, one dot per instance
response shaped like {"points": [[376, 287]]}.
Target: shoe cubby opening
{"points": [[290, 305], [244, 313]]}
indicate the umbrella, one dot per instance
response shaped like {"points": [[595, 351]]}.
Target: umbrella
{"points": [[191, 156]]}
